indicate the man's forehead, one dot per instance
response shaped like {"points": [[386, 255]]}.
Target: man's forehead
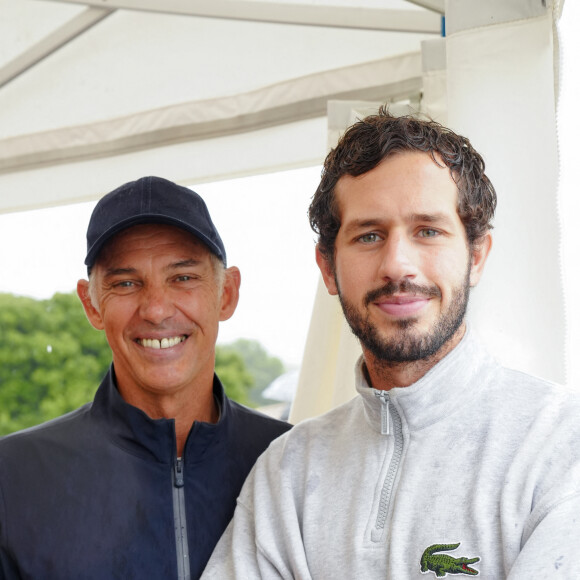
{"points": [[415, 175], [150, 235]]}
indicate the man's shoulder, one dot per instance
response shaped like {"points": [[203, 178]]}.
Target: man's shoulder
{"points": [[254, 419], [60, 429], [332, 427], [534, 387], [529, 398]]}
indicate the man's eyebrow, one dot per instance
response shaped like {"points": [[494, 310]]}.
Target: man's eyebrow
{"points": [[363, 223], [439, 217], [183, 264], [430, 218], [109, 272]]}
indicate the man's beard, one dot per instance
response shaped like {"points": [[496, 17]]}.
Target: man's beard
{"points": [[405, 345]]}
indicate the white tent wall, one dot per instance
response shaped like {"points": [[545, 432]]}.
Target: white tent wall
{"points": [[498, 74], [501, 93], [568, 131], [434, 63]]}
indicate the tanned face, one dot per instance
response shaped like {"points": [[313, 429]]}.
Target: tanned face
{"points": [[159, 301], [403, 266]]}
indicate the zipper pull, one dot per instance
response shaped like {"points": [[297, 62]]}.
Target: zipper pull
{"points": [[385, 415], [178, 470]]}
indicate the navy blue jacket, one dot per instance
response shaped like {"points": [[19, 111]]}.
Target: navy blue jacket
{"points": [[98, 494]]}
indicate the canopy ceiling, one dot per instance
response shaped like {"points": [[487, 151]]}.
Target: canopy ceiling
{"points": [[91, 96]]}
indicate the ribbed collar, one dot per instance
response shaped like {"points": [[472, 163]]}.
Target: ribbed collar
{"points": [[448, 385], [154, 439]]}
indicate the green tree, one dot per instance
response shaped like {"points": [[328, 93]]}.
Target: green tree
{"points": [[263, 367], [233, 374], [51, 359]]}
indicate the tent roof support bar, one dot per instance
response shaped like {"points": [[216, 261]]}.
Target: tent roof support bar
{"points": [[287, 13], [51, 43], [435, 5]]}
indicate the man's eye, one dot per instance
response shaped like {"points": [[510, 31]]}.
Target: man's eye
{"points": [[124, 284], [184, 278], [428, 233], [369, 238]]}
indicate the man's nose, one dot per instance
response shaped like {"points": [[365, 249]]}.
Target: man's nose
{"points": [[156, 304], [399, 258]]}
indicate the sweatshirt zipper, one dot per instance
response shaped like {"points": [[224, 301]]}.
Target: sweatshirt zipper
{"points": [[390, 425], [180, 523]]}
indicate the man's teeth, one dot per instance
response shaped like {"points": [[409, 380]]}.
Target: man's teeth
{"points": [[163, 343]]}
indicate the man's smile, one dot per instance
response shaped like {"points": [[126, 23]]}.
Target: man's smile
{"points": [[402, 305], [157, 343]]}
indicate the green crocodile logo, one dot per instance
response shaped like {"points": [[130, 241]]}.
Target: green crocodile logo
{"points": [[443, 564]]}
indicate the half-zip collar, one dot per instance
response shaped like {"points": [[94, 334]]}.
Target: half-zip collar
{"points": [[131, 429], [440, 392]]}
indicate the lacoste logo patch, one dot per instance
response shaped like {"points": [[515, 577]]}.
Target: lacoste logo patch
{"points": [[443, 564]]}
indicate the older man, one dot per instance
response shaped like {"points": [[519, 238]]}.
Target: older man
{"points": [[142, 482], [446, 463]]}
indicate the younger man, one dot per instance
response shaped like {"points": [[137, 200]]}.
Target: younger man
{"points": [[446, 462]]}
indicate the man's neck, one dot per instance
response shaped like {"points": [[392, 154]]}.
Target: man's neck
{"points": [[181, 406], [386, 375]]}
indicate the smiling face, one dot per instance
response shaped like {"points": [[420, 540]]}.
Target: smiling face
{"points": [[158, 297], [403, 266]]}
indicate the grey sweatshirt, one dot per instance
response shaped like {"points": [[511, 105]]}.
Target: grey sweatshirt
{"points": [[472, 470]]}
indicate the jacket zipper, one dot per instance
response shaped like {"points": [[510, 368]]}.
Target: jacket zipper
{"points": [[389, 414], [180, 523]]}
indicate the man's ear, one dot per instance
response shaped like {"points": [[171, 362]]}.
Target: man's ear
{"points": [[327, 272], [230, 292], [479, 255], [92, 313]]}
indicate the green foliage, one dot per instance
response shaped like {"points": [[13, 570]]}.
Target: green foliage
{"points": [[261, 366], [230, 368], [51, 359]]}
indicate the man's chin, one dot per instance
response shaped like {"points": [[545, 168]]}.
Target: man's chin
{"points": [[406, 344]]}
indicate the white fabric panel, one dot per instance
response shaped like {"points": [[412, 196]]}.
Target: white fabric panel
{"points": [[137, 61], [466, 15], [298, 144], [292, 100], [326, 374], [434, 101], [25, 23], [568, 131], [501, 95]]}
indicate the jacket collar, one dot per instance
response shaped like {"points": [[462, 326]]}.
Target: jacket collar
{"points": [[131, 429], [442, 390]]}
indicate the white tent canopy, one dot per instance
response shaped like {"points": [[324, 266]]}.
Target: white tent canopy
{"points": [[201, 90], [91, 97]]}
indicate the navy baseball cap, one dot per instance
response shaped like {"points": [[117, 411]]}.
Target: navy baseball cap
{"points": [[151, 200]]}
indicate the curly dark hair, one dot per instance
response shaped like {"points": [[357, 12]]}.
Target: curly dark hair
{"points": [[374, 138]]}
